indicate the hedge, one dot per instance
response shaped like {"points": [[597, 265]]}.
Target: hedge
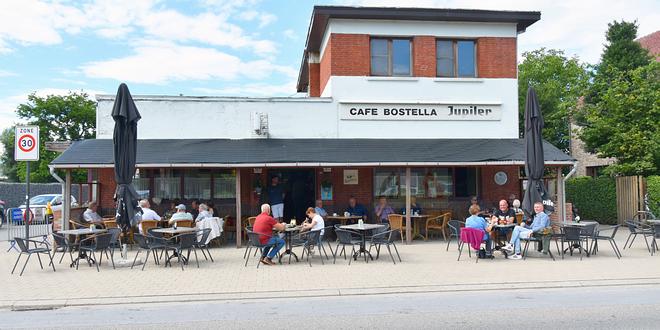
{"points": [[595, 199], [653, 189]]}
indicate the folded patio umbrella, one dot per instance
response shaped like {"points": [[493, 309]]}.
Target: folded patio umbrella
{"points": [[534, 162], [126, 116]]}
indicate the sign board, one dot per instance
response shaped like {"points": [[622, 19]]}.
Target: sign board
{"points": [[57, 146], [26, 146], [421, 111]]}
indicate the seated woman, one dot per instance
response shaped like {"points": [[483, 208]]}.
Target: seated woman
{"points": [[477, 222], [203, 212]]}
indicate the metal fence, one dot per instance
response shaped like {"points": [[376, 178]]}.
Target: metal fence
{"points": [[40, 226]]}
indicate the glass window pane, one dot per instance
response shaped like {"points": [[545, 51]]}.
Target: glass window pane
{"points": [[445, 68], [379, 47], [386, 183], [379, 65], [465, 58], [444, 49], [197, 184], [224, 185], [141, 185], [400, 57], [167, 188]]}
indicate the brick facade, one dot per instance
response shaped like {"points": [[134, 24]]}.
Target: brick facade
{"points": [[314, 79], [423, 53], [345, 55], [491, 192], [106, 190], [496, 58]]}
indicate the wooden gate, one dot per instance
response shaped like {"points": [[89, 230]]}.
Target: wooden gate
{"points": [[629, 197]]}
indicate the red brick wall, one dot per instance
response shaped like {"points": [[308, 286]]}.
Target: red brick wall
{"points": [[107, 188], [491, 192], [345, 55], [496, 57], [314, 80], [424, 63], [341, 192], [325, 67]]}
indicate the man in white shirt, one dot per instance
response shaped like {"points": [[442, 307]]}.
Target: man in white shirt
{"points": [[91, 216], [180, 214], [147, 213]]}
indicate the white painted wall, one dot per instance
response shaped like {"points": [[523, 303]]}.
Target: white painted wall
{"points": [[166, 117], [418, 28]]}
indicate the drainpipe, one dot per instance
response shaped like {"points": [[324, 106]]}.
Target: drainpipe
{"points": [[563, 188], [51, 169]]}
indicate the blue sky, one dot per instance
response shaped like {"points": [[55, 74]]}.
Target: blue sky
{"points": [[226, 47]]}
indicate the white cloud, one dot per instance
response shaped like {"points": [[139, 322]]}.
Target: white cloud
{"points": [[5, 73], [257, 89], [290, 34], [578, 27], [159, 63], [266, 19]]}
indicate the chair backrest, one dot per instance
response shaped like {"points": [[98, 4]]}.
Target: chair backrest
{"points": [[187, 240], [148, 224], [614, 230], [656, 230], [141, 241], [251, 221], [519, 218], [152, 232], [313, 237], [445, 219], [254, 238], [22, 244], [455, 227], [60, 240], [115, 232], [571, 233], [110, 224], [102, 241], [395, 235], [396, 221], [344, 236], [76, 225], [590, 230], [184, 223], [204, 236], [326, 231]]}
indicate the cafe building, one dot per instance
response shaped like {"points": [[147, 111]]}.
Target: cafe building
{"points": [[399, 103]]}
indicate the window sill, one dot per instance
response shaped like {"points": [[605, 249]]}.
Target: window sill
{"points": [[460, 80], [392, 78]]}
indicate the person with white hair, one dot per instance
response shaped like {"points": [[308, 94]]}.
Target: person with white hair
{"points": [[203, 212], [147, 212], [264, 225]]}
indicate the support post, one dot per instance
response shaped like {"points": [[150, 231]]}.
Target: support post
{"points": [[28, 212], [239, 223], [560, 197], [408, 220], [66, 201]]}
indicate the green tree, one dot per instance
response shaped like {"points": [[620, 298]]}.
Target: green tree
{"points": [[559, 82], [7, 161], [620, 116], [69, 117]]}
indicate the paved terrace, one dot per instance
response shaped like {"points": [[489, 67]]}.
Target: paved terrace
{"points": [[426, 267]]}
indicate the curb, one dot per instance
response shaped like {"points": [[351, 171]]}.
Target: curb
{"points": [[51, 304]]}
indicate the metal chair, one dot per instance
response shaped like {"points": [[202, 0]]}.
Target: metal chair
{"points": [[455, 231], [147, 243], [610, 238], [99, 243], [62, 243], [184, 242], [637, 228], [346, 238], [255, 241], [589, 232], [544, 239], [571, 235], [313, 239], [387, 238], [656, 235], [24, 248], [201, 243]]}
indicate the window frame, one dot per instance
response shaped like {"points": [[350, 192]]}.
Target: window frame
{"points": [[454, 43], [390, 63]]}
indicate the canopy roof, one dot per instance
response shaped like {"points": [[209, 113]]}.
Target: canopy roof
{"points": [[309, 152]]}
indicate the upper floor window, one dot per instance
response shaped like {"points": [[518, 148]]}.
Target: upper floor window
{"points": [[456, 58], [390, 57]]}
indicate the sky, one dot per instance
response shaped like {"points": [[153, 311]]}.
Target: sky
{"points": [[227, 47]]}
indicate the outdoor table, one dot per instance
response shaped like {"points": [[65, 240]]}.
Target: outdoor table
{"points": [[654, 221], [498, 244], [577, 224], [288, 234], [362, 229], [173, 231], [343, 219], [417, 224], [82, 233]]}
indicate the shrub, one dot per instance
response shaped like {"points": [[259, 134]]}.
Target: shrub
{"points": [[595, 199], [653, 189]]}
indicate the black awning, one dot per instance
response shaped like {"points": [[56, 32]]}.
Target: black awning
{"points": [[309, 152]]}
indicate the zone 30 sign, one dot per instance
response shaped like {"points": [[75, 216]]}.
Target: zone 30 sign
{"points": [[26, 147]]}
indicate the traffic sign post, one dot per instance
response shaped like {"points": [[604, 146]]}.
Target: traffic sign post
{"points": [[26, 148]]}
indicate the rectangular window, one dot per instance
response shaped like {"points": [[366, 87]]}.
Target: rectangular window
{"points": [[167, 184], [456, 58], [424, 182], [197, 184], [224, 184], [390, 57]]}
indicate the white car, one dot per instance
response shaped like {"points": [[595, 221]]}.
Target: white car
{"points": [[38, 203]]}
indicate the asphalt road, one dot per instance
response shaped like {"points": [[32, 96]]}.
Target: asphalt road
{"points": [[631, 307]]}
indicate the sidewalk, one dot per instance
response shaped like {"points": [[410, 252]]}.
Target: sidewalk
{"points": [[426, 267]]}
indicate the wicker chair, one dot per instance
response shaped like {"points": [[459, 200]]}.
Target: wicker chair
{"points": [[396, 223], [148, 224], [184, 223], [438, 223]]}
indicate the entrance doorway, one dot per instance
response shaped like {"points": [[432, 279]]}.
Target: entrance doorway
{"points": [[299, 187]]}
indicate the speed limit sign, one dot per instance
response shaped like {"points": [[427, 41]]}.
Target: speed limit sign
{"points": [[27, 143]]}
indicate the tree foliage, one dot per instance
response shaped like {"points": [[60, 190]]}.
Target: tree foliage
{"points": [[69, 117], [559, 83]]}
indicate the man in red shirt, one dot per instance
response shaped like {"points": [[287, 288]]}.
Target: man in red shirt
{"points": [[264, 225]]}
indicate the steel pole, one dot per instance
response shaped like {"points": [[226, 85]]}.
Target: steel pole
{"points": [[26, 218]]}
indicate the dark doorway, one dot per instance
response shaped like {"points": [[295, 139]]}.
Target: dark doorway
{"points": [[299, 189]]}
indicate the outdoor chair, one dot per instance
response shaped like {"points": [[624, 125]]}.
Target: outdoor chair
{"points": [[184, 223], [387, 238], [62, 244], [114, 240], [159, 239], [609, 238], [455, 231], [201, 242], [438, 223], [571, 235], [656, 235], [396, 223], [328, 232], [465, 239], [346, 238], [150, 245], [184, 242], [108, 224], [24, 248], [588, 233], [251, 221], [145, 225], [312, 239], [254, 241], [543, 238], [99, 243], [637, 228], [248, 245]]}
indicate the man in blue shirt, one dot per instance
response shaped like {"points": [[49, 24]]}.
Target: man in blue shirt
{"points": [[276, 198], [356, 209], [541, 221]]}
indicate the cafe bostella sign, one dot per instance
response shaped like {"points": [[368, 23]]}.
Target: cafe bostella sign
{"points": [[420, 111]]}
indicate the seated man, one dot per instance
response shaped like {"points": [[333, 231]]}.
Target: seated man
{"points": [[477, 222], [356, 209], [503, 215], [264, 225], [541, 221], [415, 208], [319, 208], [90, 216], [383, 210], [203, 212], [147, 213], [180, 214]]}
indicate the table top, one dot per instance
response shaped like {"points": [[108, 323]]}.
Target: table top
{"points": [[579, 224], [341, 217], [366, 226], [83, 231], [509, 225], [178, 230], [291, 229], [653, 221]]}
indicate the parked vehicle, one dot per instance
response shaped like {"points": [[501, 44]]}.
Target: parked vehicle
{"points": [[38, 204]]}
